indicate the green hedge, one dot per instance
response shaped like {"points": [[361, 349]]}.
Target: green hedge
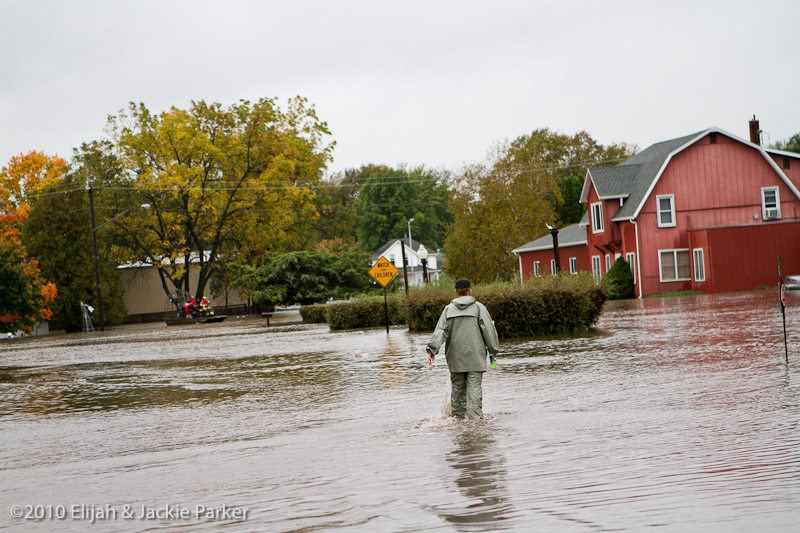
{"points": [[541, 306], [314, 314], [364, 313], [423, 306]]}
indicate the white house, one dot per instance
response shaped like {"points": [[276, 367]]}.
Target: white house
{"points": [[392, 251]]}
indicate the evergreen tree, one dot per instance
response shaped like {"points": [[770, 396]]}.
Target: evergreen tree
{"points": [[619, 280]]}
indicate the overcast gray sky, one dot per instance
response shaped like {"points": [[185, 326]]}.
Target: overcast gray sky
{"points": [[431, 82]]}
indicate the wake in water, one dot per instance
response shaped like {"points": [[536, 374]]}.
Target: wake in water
{"points": [[447, 406]]}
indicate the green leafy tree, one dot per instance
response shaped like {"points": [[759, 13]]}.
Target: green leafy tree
{"points": [[569, 209], [619, 280], [305, 277], [390, 197], [332, 216], [526, 184], [57, 233], [24, 295], [792, 144], [222, 182]]}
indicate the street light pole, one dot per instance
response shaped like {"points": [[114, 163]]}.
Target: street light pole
{"points": [[422, 253], [556, 257], [97, 255]]}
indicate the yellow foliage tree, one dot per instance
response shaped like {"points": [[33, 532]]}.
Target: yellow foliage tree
{"points": [[223, 183], [27, 174]]}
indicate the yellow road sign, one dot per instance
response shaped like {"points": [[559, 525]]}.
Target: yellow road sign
{"points": [[383, 271]]}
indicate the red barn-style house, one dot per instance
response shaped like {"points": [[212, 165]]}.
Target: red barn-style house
{"points": [[709, 212]]}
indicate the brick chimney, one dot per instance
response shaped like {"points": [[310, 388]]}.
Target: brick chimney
{"points": [[755, 138]]}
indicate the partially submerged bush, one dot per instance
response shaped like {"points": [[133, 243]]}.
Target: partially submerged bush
{"points": [[424, 305], [313, 314], [364, 313], [540, 306]]}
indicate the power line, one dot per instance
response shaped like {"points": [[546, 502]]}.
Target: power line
{"points": [[229, 186]]}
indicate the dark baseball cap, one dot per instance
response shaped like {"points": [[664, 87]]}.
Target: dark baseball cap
{"points": [[463, 283]]}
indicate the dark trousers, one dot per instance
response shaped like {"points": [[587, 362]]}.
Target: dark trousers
{"points": [[467, 395]]}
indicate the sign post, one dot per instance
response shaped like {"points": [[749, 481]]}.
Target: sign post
{"points": [[782, 293], [383, 272]]}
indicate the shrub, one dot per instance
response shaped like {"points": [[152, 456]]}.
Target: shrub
{"points": [[424, 305], [541, 306], [364, 313], [314, 314], [619, 280]]}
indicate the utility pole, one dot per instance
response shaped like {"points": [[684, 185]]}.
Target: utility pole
{"points": [[405, 270], [96, 261]]}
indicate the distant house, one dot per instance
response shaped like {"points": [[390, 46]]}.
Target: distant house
{"points": [[709, 211], [392, 251], [537, 257]]}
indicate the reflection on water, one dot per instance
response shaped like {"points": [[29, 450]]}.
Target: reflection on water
{"points": [[479, 476], [677, 413]]}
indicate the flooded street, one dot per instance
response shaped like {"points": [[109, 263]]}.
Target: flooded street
{"points": [[676, 412]]}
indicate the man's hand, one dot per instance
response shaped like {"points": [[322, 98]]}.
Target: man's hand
{"points": [[431, 357]]}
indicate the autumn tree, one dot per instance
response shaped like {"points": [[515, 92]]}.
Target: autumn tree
{"points": [[27, 174], [57, 233], [526, 184], [24, 294], [222, 182], [390, 197]]}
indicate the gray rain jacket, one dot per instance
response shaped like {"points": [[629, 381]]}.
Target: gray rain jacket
{"points": [[468, 330]]}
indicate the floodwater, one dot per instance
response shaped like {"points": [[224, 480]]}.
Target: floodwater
{"points": [[677, 413]]}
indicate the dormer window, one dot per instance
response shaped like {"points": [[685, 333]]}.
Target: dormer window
{"points": [[666, 210], [770, 203], [597, 218]]}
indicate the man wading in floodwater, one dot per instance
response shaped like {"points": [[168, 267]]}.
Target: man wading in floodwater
{"points": [[468, 330]]}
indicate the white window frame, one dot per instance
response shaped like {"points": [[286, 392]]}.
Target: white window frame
{"points": [[630, 257], [699, 263], [596, 273], [537, 268], [776, 207], [671, 198], [608, 263], [597, 217], [675, 257], [552, 266], [573, 265]]}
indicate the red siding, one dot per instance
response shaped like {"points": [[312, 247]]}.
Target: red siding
{"points": [[746, 257], [611, 233], [581, 253], [713, 185], [793, 172], [607, 242]]}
